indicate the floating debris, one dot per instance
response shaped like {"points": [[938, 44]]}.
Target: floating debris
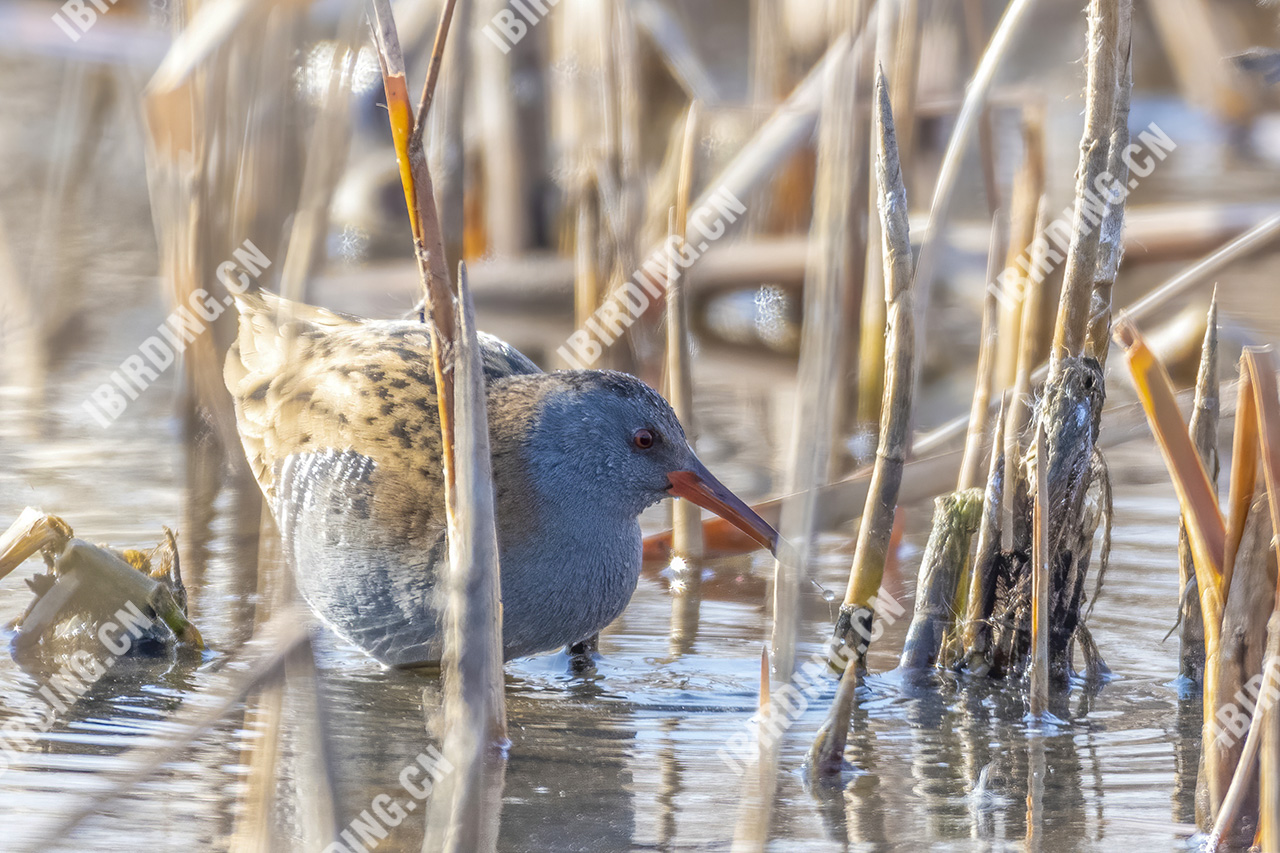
{"points": [[131, 601]]}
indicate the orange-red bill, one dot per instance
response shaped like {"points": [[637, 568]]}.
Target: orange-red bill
{"points": [[700, 487]]}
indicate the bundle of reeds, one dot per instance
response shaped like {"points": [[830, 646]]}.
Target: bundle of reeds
{"points": [[1235, 580]]}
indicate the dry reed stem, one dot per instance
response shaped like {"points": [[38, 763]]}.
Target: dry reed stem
{"points": [[871, 337], [852, 630], [433, 74], [940, 206], [1269, 770], [415, 177], [1206, 529], [1082, 254], [857, 257], [1031, 329], [1038, 671], [1258, 365], [973, 31], [1261, 730], [686, 520], [980, 411], [474, 701], [813, 426], [1111, 229], [1027, 202], [1205, 525], [31, 532], [904, 77], [1262, 372], [1204, 431], [882, 498], [976, 632], [586, 256], [751, 830], [1150, 305], [1242, 480]]}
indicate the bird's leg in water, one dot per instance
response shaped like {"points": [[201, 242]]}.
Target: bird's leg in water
{"points": [[582, 655]]}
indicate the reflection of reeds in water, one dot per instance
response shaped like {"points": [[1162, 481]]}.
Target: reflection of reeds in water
{"points": [[237, 186]]}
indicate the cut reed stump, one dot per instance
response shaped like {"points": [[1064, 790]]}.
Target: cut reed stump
{"points": [[946, 564]]}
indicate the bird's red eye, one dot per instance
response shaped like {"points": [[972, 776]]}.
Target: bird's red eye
{"points": [[643, 439]]}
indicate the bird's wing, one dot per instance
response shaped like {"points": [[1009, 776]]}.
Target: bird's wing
{"points": [[307, 380]]}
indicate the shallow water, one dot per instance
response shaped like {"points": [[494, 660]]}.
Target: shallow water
{"points": [[625, 758]]}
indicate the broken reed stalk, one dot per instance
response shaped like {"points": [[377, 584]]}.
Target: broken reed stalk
{"points": [[686, 519], [1204, 432], [867, 570], [1263, 718], [1259, 364], [1038, 671], [31, 532], [1069, 415], [1026, 202], [1100, 107], [1206, 528], [853, 628], [942, 572], [980, 411], [972, 12], [474, 706], [943, 583]]}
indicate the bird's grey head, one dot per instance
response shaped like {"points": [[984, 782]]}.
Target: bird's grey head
{"points": [[610, 435], [604, 444]]}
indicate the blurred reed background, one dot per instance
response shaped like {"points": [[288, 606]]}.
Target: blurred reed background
{"points": [[140, 157]]}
